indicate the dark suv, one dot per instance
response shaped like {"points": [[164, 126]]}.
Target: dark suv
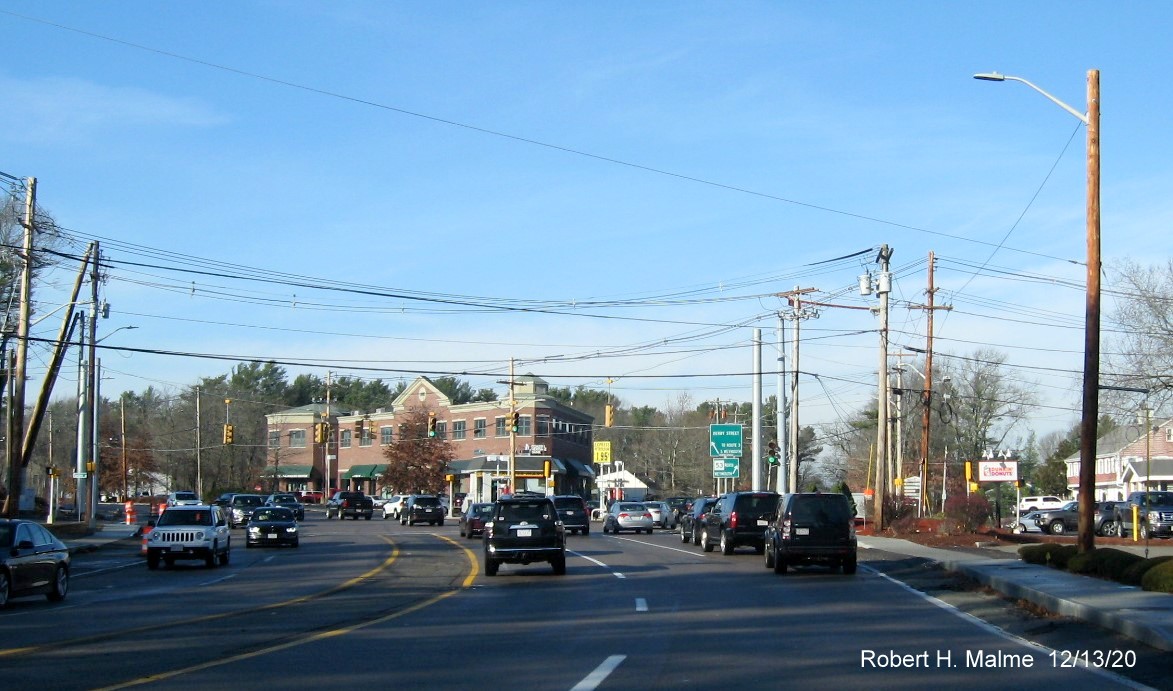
{"points": [[1058, 521], [421, 508], [812, 528], [573, 511], [738, 518], [690, 520], [524, 529]]}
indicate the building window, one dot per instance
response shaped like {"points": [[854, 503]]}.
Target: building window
{"points": [[274, 438], [458, 429], [297, 438], [385, 435], [501, 429], [479, 428], [543, 425], [441, 430], [1169, 434], [524, 425], [367, 438], [345, 440]]}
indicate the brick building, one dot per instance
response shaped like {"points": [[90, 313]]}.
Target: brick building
{"points": [[478, 432]]}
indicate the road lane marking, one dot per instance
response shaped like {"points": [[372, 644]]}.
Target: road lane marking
{"points": [[314, 637], [600, 674], [641, 605], [214, 581], [345, 585], [690, 553]]}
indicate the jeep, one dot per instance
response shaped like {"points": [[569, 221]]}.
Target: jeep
{"points": [[189, 532]]}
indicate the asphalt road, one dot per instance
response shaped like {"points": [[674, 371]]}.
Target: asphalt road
{"points": [[372, 604]]}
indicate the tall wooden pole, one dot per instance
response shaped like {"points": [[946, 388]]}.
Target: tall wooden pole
{"points": [[1091, 347]]}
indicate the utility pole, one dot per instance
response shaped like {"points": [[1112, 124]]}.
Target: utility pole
{"points": [[756, 426], [15, 431], [122, 423], [326, 482], [779, 425], [797, 314], [882, 461], [927, 392], [512, 434]]}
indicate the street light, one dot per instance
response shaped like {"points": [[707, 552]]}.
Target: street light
{"points": [[1091, 343]]}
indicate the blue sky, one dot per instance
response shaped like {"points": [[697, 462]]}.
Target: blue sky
{"points": [[638, 178]]}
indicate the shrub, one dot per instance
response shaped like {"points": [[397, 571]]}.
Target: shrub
{"points": [[970, 510], [1134, 573], [1159, 578], [1048, 553], [1105, 563]]}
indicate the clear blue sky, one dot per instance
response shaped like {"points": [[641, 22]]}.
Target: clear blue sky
{"points": [[637, 178]]}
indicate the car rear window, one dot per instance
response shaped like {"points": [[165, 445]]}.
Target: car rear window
{"points": [[757, 503], [524, 511], [185, 495], [632, 507], [568, 503], [820, 510], [426, 501]]}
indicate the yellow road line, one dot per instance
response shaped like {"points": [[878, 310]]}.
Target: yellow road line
{"points": [[9, 652], [322, 635]]}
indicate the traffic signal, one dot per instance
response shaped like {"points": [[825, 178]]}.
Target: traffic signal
{"points": [[358, 428], [609, 416], [1019, 484], [449, 478], [547, 468], [968, 471], [772, 454], [319, 433], [228, 436], [514, 422], [431, 424]]}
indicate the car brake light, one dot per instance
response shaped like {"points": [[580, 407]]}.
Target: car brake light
{"points": [[624, 515], [733, 519]]}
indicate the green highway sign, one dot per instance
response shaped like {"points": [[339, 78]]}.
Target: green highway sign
{"points": [[725, 440], [726, 467]]}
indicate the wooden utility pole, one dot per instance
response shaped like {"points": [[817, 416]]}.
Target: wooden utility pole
{"points": [[790, 459], [927, 393], [15, 432], [1091, 346], [882, 463]]}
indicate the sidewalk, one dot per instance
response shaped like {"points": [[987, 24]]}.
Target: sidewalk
{"points": [[1128, 610]]}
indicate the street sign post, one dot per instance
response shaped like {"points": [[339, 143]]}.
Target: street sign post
{"points": [[726, 467], [725, 440]]}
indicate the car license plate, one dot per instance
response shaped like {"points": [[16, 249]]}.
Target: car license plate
{"points": [[763, 522], [525, 533], [802, 531], [272, 536]]}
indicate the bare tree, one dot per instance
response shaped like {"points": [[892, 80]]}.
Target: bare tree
{"points": [[1141, 352]]}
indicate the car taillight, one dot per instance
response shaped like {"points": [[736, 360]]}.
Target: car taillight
{"points": [[733, 519], [647, 515], [786, 528], [625, 515]]}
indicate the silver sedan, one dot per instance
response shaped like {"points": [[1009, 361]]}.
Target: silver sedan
{"points": [[628, 515]]}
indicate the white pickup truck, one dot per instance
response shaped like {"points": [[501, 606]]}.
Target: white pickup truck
{"points": [[1042, 503]]}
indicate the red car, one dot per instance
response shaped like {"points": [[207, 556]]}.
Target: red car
{"points": [[472, 521], [309, 497]]}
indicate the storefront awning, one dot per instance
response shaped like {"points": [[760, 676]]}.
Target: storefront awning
{"points": [[364, 472], [290, 471]]}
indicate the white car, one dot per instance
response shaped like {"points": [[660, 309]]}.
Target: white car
{"points": [[183, 498], [661, 513], [393, 506]]}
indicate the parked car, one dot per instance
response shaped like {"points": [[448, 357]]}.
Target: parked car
{"points": [[628, 515], [1155, 510], [242, 507], [1026, 524], [690, 522], [1104, 520], [1059, 521], [472, 521], [737, 519], [271, 525], [183, 498], [572, 509], [422, 508], [522, 529], [812, 528], [288, 501], [32, 562], [393, 506], [1039, 503]]}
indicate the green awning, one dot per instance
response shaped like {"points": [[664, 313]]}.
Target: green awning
{"points": [[364, 472], [290, 471]]}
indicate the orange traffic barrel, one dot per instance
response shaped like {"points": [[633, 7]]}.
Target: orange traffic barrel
{"points": [[131, 519], [146, 532]]}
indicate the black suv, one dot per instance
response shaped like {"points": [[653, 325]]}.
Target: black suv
{"points": [[573, 511], [524, 529], [738, 518], [812, 528], [421, 508], [1057, 521], [690, 520]]}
